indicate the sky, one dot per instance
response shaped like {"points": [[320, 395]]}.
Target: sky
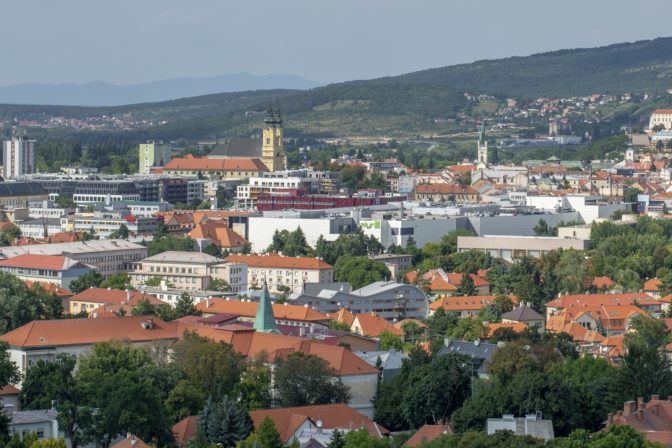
{"points": [[135, 41]]}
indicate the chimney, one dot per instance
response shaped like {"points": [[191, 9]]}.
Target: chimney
{"points": [[610, 419], [150, 323], [640, 403], [640, 414], [655, 397], [629, 407], [128, 295]]}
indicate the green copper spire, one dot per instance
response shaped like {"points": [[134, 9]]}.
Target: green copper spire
{"points": [[264, 321]]}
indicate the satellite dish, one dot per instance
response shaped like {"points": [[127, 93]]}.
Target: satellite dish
{"points": [[318, 423]]}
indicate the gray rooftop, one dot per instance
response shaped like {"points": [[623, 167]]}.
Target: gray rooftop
{"points": [[314, 289], [522, 313], [238, 147], [27, 417], [480, 352], [378, 287], [173, 256], [78, 247]]}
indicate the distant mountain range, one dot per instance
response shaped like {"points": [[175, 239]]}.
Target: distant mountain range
{"points": [[98, 93]]}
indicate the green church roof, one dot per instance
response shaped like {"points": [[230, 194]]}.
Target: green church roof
{"points": [[264, 321]]}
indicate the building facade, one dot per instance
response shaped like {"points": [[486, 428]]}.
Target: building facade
{"points": [[18, 157], [151, 154]]}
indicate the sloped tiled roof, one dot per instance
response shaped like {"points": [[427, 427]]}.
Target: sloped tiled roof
{"points": [[333, 416], [49, 262], [219, 233], [465, 303], [114, 296], [426, 434], [130, 442], [278, 261], [602, 282], [652, 284], [627, 298], [184, 430], [63, 332], [249, 309], [490, 328], [372, 325], [523, 312], [444, 189]]}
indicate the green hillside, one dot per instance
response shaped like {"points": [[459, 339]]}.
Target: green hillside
{"points": [[419, 103]]}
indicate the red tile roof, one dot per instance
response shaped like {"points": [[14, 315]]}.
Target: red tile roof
{"points": [[372, 325], [652, 284], [249, 309], [602, 282], [465, 303], [185, 430], [130, 442], [219, 233], [426, 434], [279, 261], [114, 296], [333, 416], [64, 332], [49, 262], [627, 298]]}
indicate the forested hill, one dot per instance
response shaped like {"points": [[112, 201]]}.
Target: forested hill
{"points": [[641, 66], [392, 105]]}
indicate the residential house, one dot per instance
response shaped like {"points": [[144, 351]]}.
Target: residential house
{"points": [[653, 418], [525, 314], [426, 434], [373, 326], [291, 421], [218, 233], [642, 300], [92, 298], [44, 423], [652, 287], [465, 305], [45, 269], [609, 320], [441, 282], [130, 441], [185, 430], [389, 361], [479, 352], [491, 327]]}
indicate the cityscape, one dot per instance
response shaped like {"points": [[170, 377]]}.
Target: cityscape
{"points": [[473, 254]]}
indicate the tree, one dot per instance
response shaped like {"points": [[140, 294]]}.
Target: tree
{"points": [[184, 399], [113, 380], [214, 366], [302, 380], [466, 287], [47, 382], [390, 341], [144, 308], [153, 282], [166, 243], [91, 279], [542, 229], [122, 233], [630, 194], [645, 368], [10, 234], [254, 389], [20, 304], [337, 440], [120, 281], [213, 249], [435, 390], [65, 202], [9, 374], [219, 284], [224, 423], [266, 436], [360, 271], [185, 306]]}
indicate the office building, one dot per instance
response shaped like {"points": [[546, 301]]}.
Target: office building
{"points": [[18, 157]]}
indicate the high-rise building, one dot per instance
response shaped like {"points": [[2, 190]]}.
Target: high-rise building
{"points": [[153, 153], [18, 157]]}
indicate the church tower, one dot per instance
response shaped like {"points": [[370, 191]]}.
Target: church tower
{"points": [[273, 149], [482, 148], [264, 321]]}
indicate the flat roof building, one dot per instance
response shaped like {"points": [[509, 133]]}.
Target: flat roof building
{"points": [[511, 247]]}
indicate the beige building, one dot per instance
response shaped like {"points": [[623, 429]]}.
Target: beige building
{"points": [[189, 271], [446, 193], [511, 247], [279, 271], [661, 117]]}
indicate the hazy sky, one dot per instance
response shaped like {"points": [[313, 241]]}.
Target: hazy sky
{"points": [[129, 41]]}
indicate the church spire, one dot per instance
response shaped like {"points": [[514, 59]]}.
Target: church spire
{"points": [[264, 321]]}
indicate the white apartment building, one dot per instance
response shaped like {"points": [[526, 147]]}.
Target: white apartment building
{"points": [[18, 157], [661, 117], [189, 271], [283, 272]]}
